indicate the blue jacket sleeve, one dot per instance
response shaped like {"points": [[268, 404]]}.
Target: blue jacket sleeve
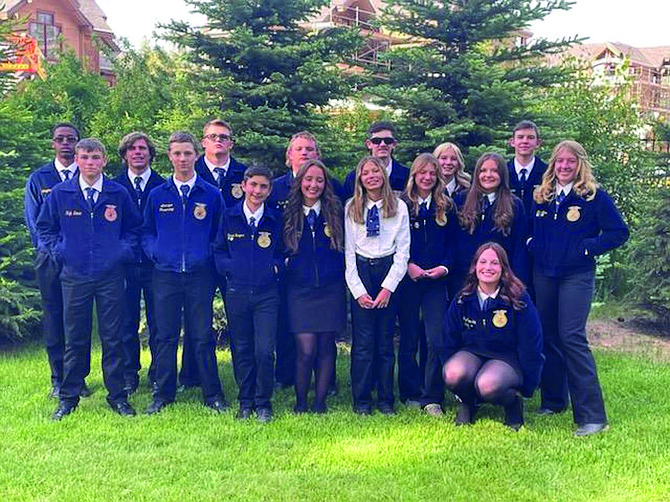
{"points": [[348, 187], [613, 230], [148, 233], [529, 346], [451, 340], [519, 252], [48, 229], [31, 208], [222, 258], [132, 224]]}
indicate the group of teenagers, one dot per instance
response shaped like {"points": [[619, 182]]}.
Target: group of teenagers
{"points": [[489, 277]]}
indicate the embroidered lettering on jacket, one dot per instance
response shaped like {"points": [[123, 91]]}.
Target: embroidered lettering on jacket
{"points": [[73, 213], [166, 208]]}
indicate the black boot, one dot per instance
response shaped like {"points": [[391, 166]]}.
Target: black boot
{"points": [[514, 414], [465, 414]]}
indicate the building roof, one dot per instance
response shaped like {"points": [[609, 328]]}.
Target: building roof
{"points": [[90, 10], [642, 56]]}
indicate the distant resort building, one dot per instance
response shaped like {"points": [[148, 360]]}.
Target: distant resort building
{"points": [[78, 24]]}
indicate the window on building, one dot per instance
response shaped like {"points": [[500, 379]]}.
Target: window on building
{"points": [[46, 33]]}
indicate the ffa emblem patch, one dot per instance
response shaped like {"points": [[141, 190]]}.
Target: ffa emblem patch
{"points": [[499, 318], [236, 190], [110, 213], [417, 225], [264, 240], [573, 213], [200, 211], [327, 231]]}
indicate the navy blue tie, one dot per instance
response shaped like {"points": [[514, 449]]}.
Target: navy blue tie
{"points": [[372, 222], [221, 175], [560, 198], [138, 188], [488, 304], [66, 174], [90, 192], [523, 178], [424, 214], [184, 189], [311, 219], [252, 226]]}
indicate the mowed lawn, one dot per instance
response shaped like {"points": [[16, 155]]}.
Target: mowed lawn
{"points": [[188, 453]]}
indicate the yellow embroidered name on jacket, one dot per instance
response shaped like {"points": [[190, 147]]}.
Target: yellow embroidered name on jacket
{"points": [[232, 237]]}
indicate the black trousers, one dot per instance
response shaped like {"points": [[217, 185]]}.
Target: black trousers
{"points": [[194, 292], [252, 315], [78, 296], [285, 368], [423, 300], [139, 281], [372, 356], [48, 280], [564, 304]]}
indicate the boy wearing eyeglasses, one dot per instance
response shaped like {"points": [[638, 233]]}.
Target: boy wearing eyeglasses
{"points": [[381, 141], [64, 137]]}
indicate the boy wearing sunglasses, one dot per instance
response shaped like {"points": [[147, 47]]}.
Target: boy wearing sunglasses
{"points": [[381, 141]]}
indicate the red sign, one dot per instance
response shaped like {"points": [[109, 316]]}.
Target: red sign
{"points": [[26, 56]]}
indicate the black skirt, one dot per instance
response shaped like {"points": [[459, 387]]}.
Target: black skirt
{"points": [[316, 310]]}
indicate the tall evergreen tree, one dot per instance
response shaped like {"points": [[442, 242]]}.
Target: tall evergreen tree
{"points": [[462, 76], [263, 71]]}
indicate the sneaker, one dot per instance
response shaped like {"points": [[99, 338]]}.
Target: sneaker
{"points": [[434, 410]]}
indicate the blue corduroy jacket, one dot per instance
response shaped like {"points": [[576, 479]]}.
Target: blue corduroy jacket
{"points": [[525, 193], [514, 336], [89, 243], [248, 260], [567, 239], [315, 263], [178, 238], [231, 191]]}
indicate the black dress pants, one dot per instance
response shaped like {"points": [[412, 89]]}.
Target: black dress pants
{"points": [[138, 282], [194, 292], [564, 304], [48, 281], [78, 295], [423, 300], [372, 356], [252, 314]]}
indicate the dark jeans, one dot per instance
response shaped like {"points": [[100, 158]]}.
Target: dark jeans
{"points": [[425, 300], [193, 291], [563, 304], [372, 357], [78, 296], [138, 282], [48, 280], [252, 315]]}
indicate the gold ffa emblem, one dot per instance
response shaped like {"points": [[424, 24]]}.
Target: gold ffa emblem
{"points": [[417, 225], [264, 240], [499, 318], [327, 231], [110, 213], [236, 190], [573, 213], [200, 211]]}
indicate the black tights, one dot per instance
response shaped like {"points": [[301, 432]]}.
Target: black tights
{"points": [[470, 378], [313, 351]]}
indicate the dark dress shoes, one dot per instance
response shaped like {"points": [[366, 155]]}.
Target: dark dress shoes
{"points": [[244, 414], [218, 405], [362, 410], [62, 411], [590, 429], [123, 408], [514, 414], [300, 408], [85, 391], [156, 406], [319, 408], [386, 409], [264, 415], [465, 414]]}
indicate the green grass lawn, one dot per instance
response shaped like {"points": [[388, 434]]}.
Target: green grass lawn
{"points": [[188, 453]]}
